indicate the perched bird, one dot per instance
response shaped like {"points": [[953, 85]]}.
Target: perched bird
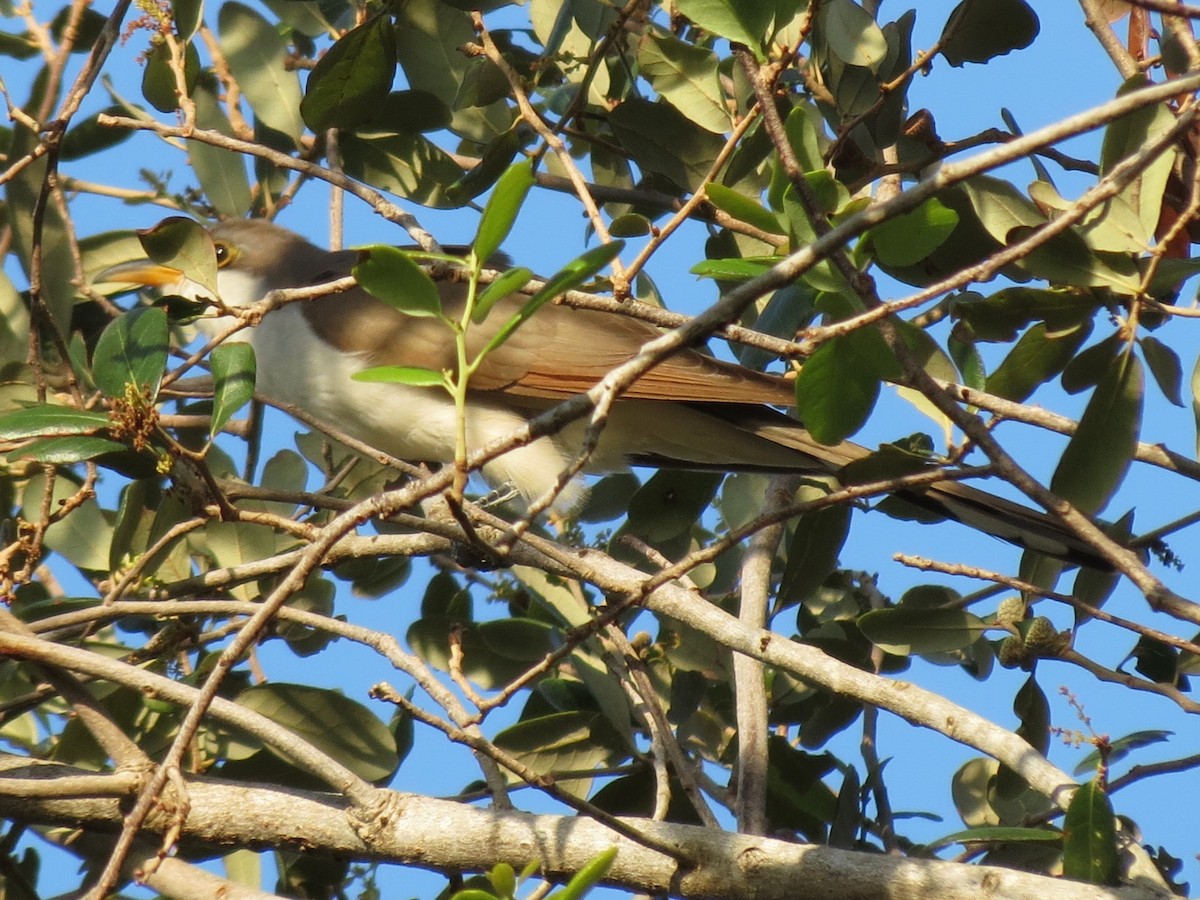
{"points": [[690, 411]]}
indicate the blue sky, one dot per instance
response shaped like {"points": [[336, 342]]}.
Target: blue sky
{"points": [[1063, 72]]}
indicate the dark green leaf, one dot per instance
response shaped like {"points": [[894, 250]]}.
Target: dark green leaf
{"points": [[500, 212], [390, 275], [159, 85], [496, 160], [66, 450], [663, 140], [813, 552], [40, 421], [1086, 369], [183, 244], [331, 722], [234, 370], [1120, 748], [412, 111], [257, 55], [1165, 367], [132, 350], [483, 83], [1098, 455], [187, 14], [979, 30], [352, 80], [906, 631], [1038, 356], [670, 503], [998, 834], [88, 136], [1089, 838], [408, 165]]}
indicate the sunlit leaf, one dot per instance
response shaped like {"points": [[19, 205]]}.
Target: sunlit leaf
{"points": [[234, 369], [132, 350], [390, 275], [257, 55], [1089, 837]]}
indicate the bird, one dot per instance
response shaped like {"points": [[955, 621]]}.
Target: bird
{"points": [[691, 411]]}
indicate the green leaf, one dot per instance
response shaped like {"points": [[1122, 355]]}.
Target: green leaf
{"points": [[495, 161], [1126, 136], [132, 350], [742, 21], [813, 551], [979, 30], [589, 876], [234, 371], [1165, 367], [998, 834], [1037, 357], [906, 631], [501, 210], [852, 34], [390, 275], [159, 86], [408, 165], [41, 421], [1099, 453], [509, 282], [670, 503], [87, 136], [569, 277], [1086, 369], [183, 244], [428, 37], [686, 76], [222, 172], [1089, 838], [410, 375], [331, 722], [734, 269], [1067, 259], [1120, 748], [568, 741], [909, 238], [257, 56], [743, 208], [663, 140], [66, 450], [352, 80], [838, 385], [188, 15]]}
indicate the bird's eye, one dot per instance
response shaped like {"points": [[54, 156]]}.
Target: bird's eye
{"points": [[224, 254]]}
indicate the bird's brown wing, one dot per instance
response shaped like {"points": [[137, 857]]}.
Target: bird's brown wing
{"points": [[557, 353]]}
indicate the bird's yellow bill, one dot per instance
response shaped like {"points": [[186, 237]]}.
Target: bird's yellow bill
{"points": [[141, 272]]}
